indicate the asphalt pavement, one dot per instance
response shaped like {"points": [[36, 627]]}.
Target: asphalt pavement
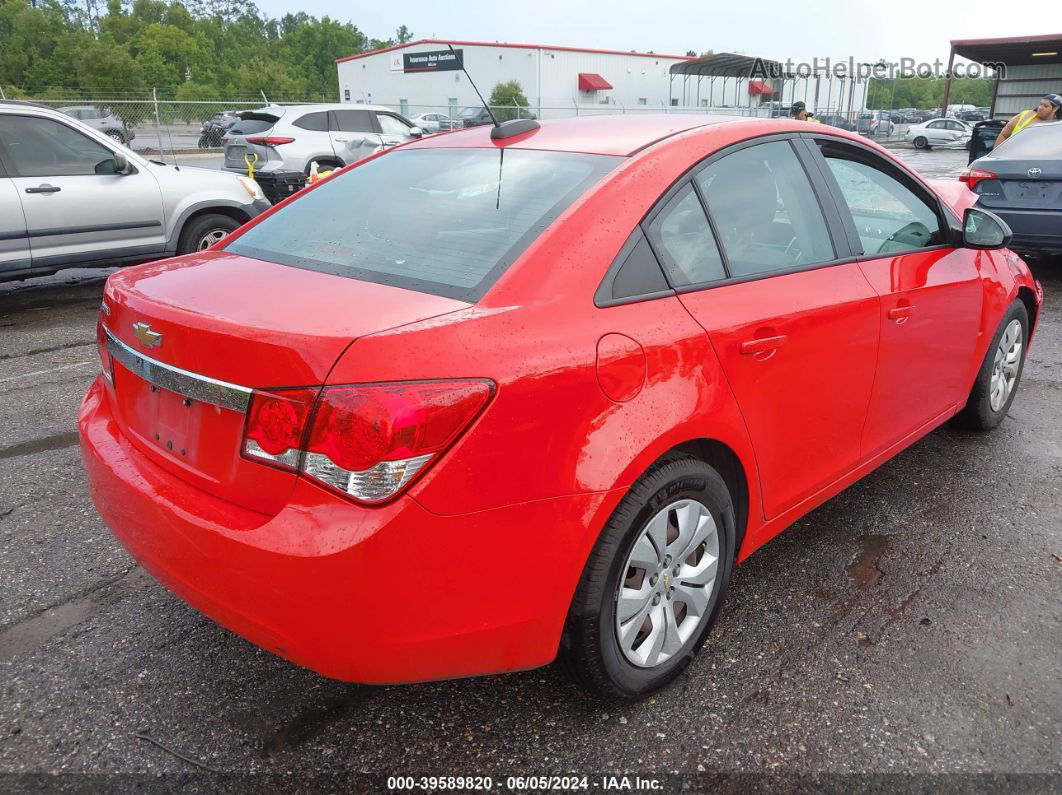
{"points": [[911, 625]]}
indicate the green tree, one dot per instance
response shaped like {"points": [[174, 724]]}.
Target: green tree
{"points": [[504, 96]]}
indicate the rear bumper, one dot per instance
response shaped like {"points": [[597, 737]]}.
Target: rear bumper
{"points": [[387, 595], [1039, 230]]}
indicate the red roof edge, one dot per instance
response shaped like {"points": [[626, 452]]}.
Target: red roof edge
{"points": [[514, 46]]}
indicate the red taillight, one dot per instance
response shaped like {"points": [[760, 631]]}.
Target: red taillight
{"points": [[224, 141], [276, 425], [367, 441], [972, 176], [270, 141]]}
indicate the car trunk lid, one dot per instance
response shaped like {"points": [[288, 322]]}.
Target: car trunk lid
{"points": [[193, 334], [1031, 184], [250, 124]]}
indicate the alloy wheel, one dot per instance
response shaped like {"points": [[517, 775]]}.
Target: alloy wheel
{"points": [[1005, 366], [210, 238], [667, 582]]}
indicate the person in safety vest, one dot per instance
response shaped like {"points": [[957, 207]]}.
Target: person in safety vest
{"points": [[799, 112], [1049, 109]]}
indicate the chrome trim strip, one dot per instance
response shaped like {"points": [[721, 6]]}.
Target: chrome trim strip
{"points": [[165, 376]]}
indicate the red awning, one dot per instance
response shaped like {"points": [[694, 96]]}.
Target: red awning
{"points": [[760, 87], [589, 81]]}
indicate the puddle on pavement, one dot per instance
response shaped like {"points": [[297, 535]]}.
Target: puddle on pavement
{"points": [[864, 569]]}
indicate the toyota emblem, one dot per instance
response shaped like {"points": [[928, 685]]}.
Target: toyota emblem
{"points": [[1034, 172]]}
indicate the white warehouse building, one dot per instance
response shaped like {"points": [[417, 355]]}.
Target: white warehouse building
{"points": [[424, 76]]}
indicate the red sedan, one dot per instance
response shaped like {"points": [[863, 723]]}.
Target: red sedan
{"points": [[485, 400]]}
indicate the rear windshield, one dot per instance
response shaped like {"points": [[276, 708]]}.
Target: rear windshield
{"points": [[442, 221], [1038, 141], [250, 124]]}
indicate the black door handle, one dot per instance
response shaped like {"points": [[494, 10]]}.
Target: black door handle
{"points": [[43, 189]]}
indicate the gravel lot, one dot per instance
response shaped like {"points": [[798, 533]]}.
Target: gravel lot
{"points": [[910, 625]]}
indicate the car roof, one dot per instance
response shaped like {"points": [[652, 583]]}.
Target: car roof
{"points": [[616, 134], [318, 107]]}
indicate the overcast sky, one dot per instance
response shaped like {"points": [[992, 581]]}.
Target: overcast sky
{"points": [[888, 29]]}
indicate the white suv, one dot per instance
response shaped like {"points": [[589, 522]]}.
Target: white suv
{"points": [[289, 138]]}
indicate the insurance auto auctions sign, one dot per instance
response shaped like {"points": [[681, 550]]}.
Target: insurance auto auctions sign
{"points": [[435, 61]]}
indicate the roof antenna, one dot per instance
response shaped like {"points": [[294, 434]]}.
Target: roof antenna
{"points": [[501, 129]]}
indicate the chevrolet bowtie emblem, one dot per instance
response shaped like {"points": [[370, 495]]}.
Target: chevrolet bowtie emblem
{"points": [[147, 337]]}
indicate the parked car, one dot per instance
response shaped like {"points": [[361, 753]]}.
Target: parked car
{"points": [[483, 400], [1021, 182], [213, 130], [943, 133], [435, 122], [102, 119], [72, 195], [973, 115], [836, 120], [474, 116], [873, 123], [289, 138]]}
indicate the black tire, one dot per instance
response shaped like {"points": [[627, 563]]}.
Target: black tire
{"points": [[117, 135], [200, 227], [978, 414], [920, 142], [204, 142], [590, 649]]}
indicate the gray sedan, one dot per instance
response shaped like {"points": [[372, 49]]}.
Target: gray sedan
{"points": [[1021, 182]]}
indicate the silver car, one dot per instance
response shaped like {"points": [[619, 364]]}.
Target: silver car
{"points": [[103, 120], [945, 133], [435, 122], [289, 138], [71, 195]]}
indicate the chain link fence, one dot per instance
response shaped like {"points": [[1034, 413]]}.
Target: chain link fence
{"points": [[153, 126]]}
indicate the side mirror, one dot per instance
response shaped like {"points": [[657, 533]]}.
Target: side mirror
{"points": [[984, 230], [121, 163], [416, 132]]}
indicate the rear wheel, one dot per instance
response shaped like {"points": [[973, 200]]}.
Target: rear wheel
{"points": [[654, 583], [117, 135], [201, 233], [997, 380], [920, 142]]}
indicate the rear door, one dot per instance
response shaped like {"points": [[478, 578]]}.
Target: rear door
{"points": [[354, 134], [76, 207], [931, 293], [794, 326]]}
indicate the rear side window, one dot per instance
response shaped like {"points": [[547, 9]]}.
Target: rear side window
{"points": [[685, 241], [765, 210], [353, 121], [313, 121], [442, 221]]}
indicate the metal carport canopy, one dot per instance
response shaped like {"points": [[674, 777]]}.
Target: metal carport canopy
{"points": [[727, 64], [1014, 51]]}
